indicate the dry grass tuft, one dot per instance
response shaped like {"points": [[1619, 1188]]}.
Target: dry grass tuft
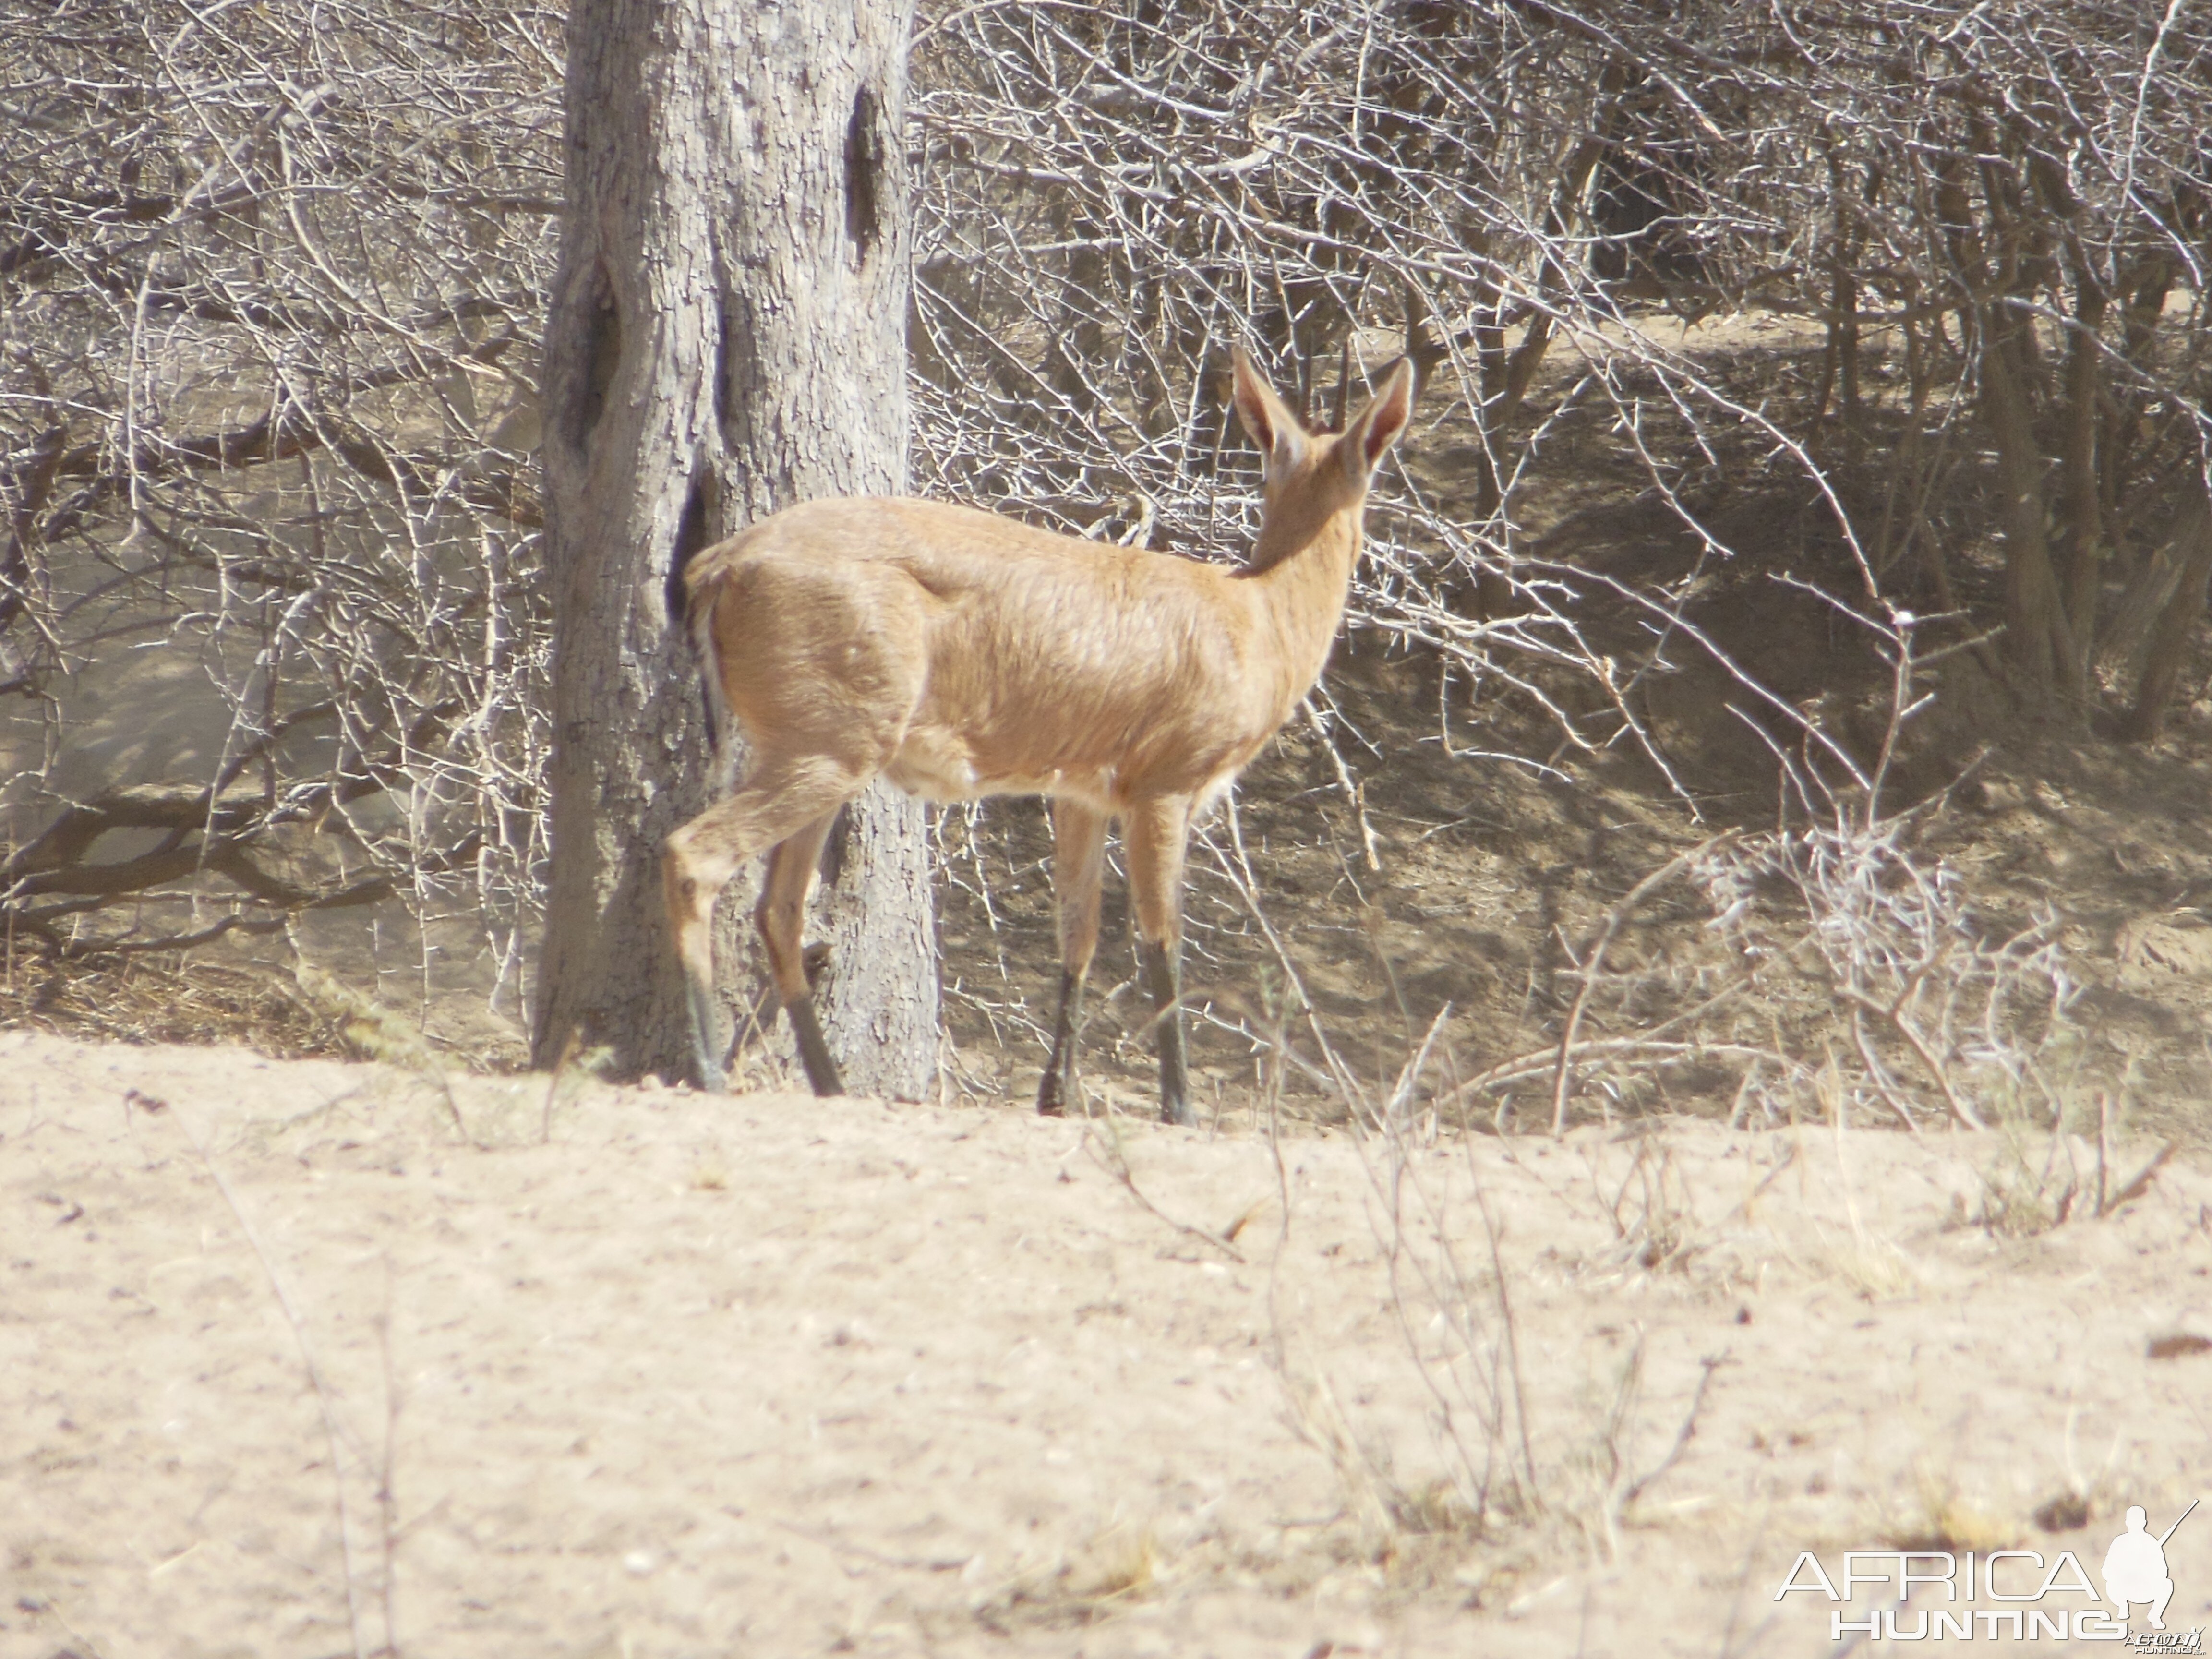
{"points": [[1947, 1521], [167, 997], [1877, 1270], [2068, 1512], [1119, 1565]]}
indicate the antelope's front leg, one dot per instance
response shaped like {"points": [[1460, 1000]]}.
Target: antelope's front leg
{"points": [[1156, 831], [1078, 853]]}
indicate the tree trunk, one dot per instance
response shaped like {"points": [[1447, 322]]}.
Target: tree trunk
{"points": [[726, 338], [2191, 547], [2038, 638], [1503, 378]]}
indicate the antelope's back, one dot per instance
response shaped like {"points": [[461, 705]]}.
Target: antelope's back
{"points": [[1025, 661], [1064, 666]]}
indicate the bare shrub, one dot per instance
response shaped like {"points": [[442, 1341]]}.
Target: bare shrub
{"points": [[1928, 1007], [274, 285], [1516, 1465], [274, 280]]}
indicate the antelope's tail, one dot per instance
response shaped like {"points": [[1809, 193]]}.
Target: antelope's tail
{"points": [[721, 730]]}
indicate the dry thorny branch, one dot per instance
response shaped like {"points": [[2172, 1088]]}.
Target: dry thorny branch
{"points": [[274, 278], [271, 279]]}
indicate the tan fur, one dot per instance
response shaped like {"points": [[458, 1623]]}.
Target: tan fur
{"points": [[959, 655]]}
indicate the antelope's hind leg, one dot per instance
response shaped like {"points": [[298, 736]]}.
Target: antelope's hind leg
{"points": [[692, 878], [1078, 854], [764, 812], [780, 916]]}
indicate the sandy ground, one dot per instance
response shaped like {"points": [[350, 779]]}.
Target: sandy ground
{"points": [[287, 1356]]}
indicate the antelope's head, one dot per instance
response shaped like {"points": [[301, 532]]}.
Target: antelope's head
{"points": [[1316, 480]]}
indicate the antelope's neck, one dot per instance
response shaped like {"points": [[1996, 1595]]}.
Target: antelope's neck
{"points": [[1301, 592]]}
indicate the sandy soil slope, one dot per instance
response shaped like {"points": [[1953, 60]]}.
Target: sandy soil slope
{"points": [[287, 1356]]}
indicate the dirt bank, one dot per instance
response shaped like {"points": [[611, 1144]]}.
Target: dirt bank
{"points": [[770, 1376]]}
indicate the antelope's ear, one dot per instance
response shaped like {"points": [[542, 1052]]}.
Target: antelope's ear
{"points": [[1378, 426], [1267, 418]]}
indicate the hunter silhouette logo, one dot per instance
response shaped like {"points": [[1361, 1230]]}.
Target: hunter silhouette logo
{"points": [[2135, 1566]]}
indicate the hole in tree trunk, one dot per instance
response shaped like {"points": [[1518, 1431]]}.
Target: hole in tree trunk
{"points": [[864, 166], [836, 845], [602, 355], [722, 361], [692, 530]]}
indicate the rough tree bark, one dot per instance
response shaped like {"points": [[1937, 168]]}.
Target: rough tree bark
{"points": [[2038, 637], [2189, 546], [726, 336]]}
